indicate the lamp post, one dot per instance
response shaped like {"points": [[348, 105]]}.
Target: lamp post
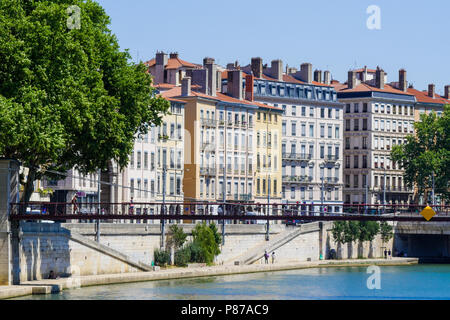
{"points": [[322, 166], [97, 223], [163, 211], [268, 206], [384, 191]]}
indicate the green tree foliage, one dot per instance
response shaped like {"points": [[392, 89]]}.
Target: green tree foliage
{"points": [[427, 153], [338, 231], [68, 97], [175, 237], [351, 231], [206, 240], [368, 230], [386, 231]]}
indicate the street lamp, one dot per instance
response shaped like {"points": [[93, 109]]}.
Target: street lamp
{"points": [[322, 166]]}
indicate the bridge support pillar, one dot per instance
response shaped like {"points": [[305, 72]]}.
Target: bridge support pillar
{"points": [[9, 192]]}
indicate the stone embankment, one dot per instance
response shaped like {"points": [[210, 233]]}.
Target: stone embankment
{"points": [[57, 285]]}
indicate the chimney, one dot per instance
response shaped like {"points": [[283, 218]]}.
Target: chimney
{"points": [[173, 55], [318, 76], [379, 78], [447, 92], [211, 68], [351, 83], [402, 83], [326, 77], [200, 78], [219, 81], [249, 80], [364, 74], [276, 70], [186, 86], [161, 58], [257, 67], [160, 63], [306, 72], [431, 90], [234, 84], [291, 70]]}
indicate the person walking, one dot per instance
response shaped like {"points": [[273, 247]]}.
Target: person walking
{"points": [[385, 253], [75, 204], [389, 254], [266, 257], [273, 257]]}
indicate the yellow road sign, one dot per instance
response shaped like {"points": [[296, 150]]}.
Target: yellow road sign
{"points": [[428, 213]]}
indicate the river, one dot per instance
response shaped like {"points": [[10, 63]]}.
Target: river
{"points": [[343, 283]]}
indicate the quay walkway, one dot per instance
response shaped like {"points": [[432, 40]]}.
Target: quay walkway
{"points": [[48, 286]]}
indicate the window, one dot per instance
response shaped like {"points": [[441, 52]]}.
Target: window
{"points": [[311, 130], [364, 107], [356, 124], [145, 160], [336, 132], [347, 143], [356, 162], [330, 131], [303, 111], [132, 159], [364, 142], [138, 160], [294, 128], [303, 129], [322, 112], [322, 152], [356, 107], [347, 108], [347, 125], [330, 112], [294, 111], [364, 125]]}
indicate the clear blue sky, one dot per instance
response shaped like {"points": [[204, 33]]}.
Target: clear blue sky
{"points": [[330, 34]]}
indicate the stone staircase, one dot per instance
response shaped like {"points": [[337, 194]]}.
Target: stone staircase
{"points": [[274, 243]]}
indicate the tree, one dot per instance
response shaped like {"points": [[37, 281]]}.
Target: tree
{"points": [[68, 97], [386, 231], [427, 154], [338, 232], [206, 241], [175, 237], [367, 232]]}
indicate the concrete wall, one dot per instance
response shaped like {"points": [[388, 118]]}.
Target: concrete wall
{"points": [[49, 246]]}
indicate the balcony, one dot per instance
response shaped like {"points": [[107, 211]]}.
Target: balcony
{"points": [[296, 179], [208, 122], [205, 171], [331, 180], [242, 197], [329, 158], [297, 156]]}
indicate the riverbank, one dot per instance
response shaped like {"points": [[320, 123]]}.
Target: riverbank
{"points": [[57, 285]]}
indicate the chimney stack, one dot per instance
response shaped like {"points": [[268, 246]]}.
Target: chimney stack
{"points": [[306, 72], [318, 75], [249, 81], [351, 83], [173, 55], [379, 78], [447, 92], [276, 69], [234, 84], [326, 77], [200, 78], [402, 83], [160, 63], [431, 90], [211, 68], [257, 67], [219, 81], [186, 86]]}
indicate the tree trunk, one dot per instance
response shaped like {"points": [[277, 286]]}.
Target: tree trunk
{"points": [[28, 188]]}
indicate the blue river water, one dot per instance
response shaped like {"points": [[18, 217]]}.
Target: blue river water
{"points": [[341, 283]]}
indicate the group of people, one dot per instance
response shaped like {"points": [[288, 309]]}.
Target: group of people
{"points": [[387, 254], [266, 257]]}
